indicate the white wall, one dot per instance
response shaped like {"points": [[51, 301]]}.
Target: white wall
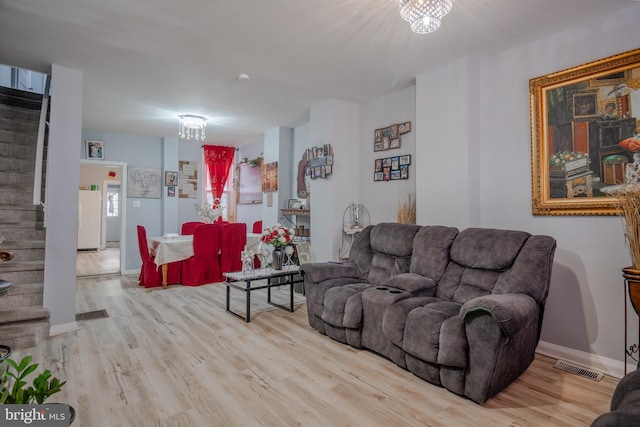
{"points": [[381, 198], [474, 143], [337, 123], [62, 182]]}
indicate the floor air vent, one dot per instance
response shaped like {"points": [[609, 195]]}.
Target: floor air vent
{"points": [[89, 315], [578, 370]]}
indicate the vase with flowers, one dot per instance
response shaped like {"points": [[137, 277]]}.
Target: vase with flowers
{"points": [[278, 236], [209, 213]]}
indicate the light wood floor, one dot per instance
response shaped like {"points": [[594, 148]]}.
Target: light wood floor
{"points": [[174, 357], [104, 261]]}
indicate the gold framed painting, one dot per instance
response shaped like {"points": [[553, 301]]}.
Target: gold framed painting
{"points": [[585, 135]]}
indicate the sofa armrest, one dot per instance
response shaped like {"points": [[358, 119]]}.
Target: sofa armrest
{"points": [[412, 283], [319, 272], [512, 312]]}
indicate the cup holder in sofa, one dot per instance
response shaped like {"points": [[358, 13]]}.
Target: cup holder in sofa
{"points": [[382, 288], [395, 291]]}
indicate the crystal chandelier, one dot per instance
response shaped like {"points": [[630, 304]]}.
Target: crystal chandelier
{"points": [[424, 15], [192, 126]]}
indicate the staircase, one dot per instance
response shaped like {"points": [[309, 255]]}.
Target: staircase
{"points": [[23, 320]]}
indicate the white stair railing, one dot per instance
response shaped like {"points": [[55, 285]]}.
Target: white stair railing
{"points": [[37, 177]]}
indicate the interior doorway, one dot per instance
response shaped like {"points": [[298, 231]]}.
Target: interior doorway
{"points": [[101, 251]]}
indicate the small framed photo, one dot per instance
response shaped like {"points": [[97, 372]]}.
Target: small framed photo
{"points": [[171, 178], [404, 128], [377, 136], [171, 191], [394, 132], [378, 146], [386, 162], [378, 167], [328, 169], [386, 174], [294, 204], [395, 143], [395, 174], [94, 149], [395, 165], [405, 160], [378, 176], [330, 160], [404, 172]]}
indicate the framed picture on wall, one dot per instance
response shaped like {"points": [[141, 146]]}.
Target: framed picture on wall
{"points": [[94, 149], [584, 135], [171, 178]]}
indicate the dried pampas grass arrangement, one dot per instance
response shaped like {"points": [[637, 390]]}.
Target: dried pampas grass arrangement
{"points": [[407, 210], [628, 196]]}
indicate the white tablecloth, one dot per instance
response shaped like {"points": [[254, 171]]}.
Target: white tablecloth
{"points": [[174, 249]]}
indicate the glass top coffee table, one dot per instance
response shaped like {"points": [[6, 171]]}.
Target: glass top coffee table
{"points": [[249, 281]]}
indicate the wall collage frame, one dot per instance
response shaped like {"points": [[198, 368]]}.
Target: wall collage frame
{"points": [[396, 167], [392, 168], [319, 161]]}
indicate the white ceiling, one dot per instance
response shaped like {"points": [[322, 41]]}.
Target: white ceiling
{"points": [[146, 61]]}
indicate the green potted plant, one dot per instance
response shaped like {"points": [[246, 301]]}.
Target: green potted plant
{"points": [[14, 388]]}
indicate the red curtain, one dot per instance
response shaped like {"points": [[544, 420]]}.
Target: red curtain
{"points": [[218, 160]]}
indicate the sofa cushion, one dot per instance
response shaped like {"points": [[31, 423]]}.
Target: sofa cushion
{"points": [[534, 263], [343, 305], [487, 248], [395, 318], [315, 295], [431, 251], [392, 245], [479, 258], [435, 333]]}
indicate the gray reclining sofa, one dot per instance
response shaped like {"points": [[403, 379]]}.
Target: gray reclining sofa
{"points": [[462, 310]]}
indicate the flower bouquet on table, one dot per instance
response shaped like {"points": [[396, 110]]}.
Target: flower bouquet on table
{"points": [[207, 212], [278, 236]]}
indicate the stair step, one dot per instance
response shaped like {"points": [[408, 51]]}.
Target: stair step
{"points": [[15, 232], [23, 295], [22, 245], [25, 254], [13, 214], [17, 165], [17, 151], [21, 314], [17, 266], [24, 115], [26, 276], [25, 334], [27, 136], [12, 195], [20, 98]]}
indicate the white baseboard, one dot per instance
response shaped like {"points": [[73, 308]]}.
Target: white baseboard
{"points": [[63, 329], [606, 365]]}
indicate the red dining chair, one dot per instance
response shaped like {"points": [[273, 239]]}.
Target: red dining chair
{"points": [[189, 227], [234, 239], [257, 227], [204, 266], [150, 273]]}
